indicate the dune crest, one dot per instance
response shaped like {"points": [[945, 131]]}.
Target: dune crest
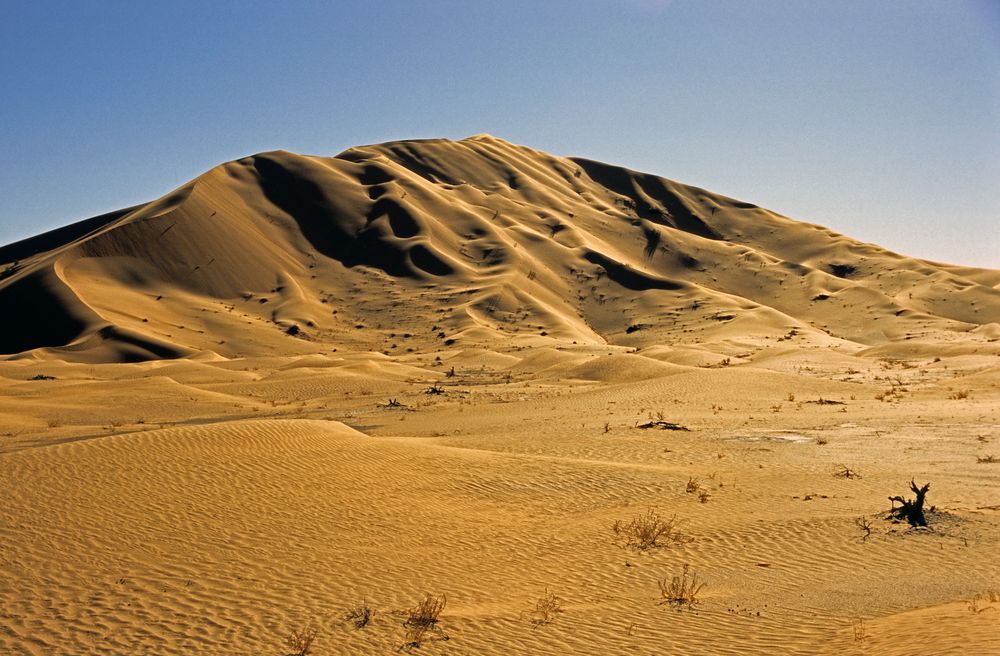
{"points": [[490, 243]]}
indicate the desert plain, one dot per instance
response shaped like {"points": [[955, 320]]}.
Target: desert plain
{"points": [[296, 388]]}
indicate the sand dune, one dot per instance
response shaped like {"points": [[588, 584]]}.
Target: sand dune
{"points": [[477, 241], [297, 384]]}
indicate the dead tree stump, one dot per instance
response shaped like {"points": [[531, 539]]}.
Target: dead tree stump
{"points": [[911, 511]]}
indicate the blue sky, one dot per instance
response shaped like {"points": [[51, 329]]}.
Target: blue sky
{"points": [[880, 120]]}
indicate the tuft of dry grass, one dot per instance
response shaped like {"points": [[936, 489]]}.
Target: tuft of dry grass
{"points": [[359, 615], [681, 590], [649, 531], [843, 471], [987, 459], [423, 619], [865, 525], [300, 642], [983, 602], [959, 395], [546, 609], [859, 629]]}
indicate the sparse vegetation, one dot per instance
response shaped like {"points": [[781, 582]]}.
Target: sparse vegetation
{"points": [[681, 590], [360, 615], [822, 401], [423, 619], [983, 602], [959, 395], [649, 531], [865, 525], [911, 511], [859, 629], [987, 459], [843, 471], [546, 609], [659, 422], [300, 642]]}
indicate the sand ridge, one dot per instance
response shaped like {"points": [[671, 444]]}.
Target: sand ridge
{"points": [[477, 241], [298, 384]]}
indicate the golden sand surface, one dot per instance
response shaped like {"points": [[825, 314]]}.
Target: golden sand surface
{"points": [[299, 385]]}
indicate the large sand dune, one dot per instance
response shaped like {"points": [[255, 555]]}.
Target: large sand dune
{"points": [[297, 383], [478, 241]]}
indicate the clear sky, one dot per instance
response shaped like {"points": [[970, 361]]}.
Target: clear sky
{"points": [[878, 119]]}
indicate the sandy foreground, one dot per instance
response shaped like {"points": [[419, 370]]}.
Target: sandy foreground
{"points": [[215, 507], [298, 386]]}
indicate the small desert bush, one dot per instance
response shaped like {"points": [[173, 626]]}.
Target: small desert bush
{"points": [[959, 395], [859, 629], [649, 531], [300, 642], [423, 618], [681, 590], [987, 459], [984, 602], [546, 609], [843, 471], [865, 525], [359, 615]]}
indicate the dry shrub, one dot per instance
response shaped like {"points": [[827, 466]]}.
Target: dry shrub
{"points": [[649, 531], [546, 609], [423, 619], [865, 525], [843, 471], [859, 629], [359, 615], [681, 590], [983, 602], [300, 642]]}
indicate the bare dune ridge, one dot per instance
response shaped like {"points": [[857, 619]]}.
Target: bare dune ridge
{"points": [[299, 384], [479, 240]]}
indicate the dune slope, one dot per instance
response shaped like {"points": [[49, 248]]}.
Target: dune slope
{"points": [[477, 241]]}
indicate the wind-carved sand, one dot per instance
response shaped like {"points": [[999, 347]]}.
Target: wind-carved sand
{"points": [[298, 386]]}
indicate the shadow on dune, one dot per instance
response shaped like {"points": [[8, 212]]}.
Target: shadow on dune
{"points": [[675, 212]]}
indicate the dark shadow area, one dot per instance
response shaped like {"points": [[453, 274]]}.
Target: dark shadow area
{"points": [[627, 277], [324, 223], [652, 242], [843, 270], [401, 221], [622, 181], [47, 241], [35, 316], [427, 260]]}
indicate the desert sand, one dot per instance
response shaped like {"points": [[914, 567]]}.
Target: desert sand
{"points": [[297, 386]]}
